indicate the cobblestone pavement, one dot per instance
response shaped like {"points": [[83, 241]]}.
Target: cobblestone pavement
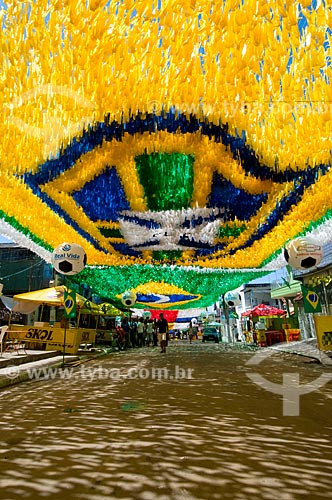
{"points": [[191, 424]]}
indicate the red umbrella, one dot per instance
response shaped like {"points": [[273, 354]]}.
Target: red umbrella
{"points": [[264, 310]]}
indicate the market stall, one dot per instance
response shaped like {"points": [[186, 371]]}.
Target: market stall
{"points": [[267, 325], [60, 334]]}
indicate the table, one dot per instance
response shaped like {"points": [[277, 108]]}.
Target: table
{"points": [[275, 337], [15, 342]]}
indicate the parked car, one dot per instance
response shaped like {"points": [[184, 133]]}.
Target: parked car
{"points": [[211, 333]]}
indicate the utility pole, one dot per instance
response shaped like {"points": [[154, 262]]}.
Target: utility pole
{"points": [[226, 314]]}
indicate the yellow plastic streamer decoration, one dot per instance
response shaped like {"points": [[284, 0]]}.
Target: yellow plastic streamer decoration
{"points": [[66, 64]]}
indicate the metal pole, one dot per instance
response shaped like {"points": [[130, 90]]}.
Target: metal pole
{"points": [[65, 289], [226, 313], [326, 300], [64, 344]]}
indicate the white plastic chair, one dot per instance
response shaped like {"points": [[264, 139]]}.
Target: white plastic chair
{"points": [[3, 331]]}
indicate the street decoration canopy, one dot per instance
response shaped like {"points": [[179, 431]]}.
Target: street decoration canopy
{"points": [[181, 144]]}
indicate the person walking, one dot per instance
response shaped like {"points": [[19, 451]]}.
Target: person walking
{"points": [[126, 330], [190, 332], [120, 338], [162, 328], [155, 333], [133, 333], [149, 332], [140, 332]]}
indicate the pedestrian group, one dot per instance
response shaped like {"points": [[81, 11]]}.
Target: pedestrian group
{"points": [[144, 332]]}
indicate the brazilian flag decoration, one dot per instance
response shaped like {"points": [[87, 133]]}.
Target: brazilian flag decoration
{"points": [[311, 301], [70, 304]]}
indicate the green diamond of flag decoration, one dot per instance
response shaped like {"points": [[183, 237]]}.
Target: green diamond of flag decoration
{"points": [[311, 301], [69, 304]]}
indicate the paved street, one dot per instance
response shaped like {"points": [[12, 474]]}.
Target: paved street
{"points": [[188, 424]]}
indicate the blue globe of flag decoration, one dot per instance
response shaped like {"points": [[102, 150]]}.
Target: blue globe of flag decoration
{"points": [[69, 303], [313, 297]]}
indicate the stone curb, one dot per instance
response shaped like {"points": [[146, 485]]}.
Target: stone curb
{"points": [[24, 375], [304, 349], [29, 358]]}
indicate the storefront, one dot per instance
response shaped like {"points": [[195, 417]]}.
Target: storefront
{"points": [[267, 325], [312, 303]]}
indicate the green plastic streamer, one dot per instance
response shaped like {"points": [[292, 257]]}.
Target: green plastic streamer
{"points": [[109, 282], [167, 180]]}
